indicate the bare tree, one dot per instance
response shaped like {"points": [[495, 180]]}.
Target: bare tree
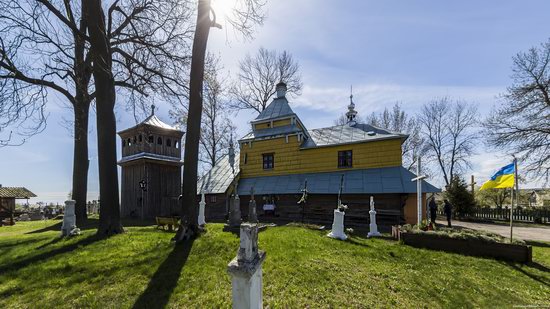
{"points": [[109, 216], [259, 74], [44, 47], [521, 125], [216, 126], [396, 120], [493, 197], [448, 128], [248, 12]]}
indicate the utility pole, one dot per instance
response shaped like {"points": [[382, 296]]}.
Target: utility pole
{"points": [[472, 184]]}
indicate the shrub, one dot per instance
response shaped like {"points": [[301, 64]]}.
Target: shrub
{"points": [[461, 199]]}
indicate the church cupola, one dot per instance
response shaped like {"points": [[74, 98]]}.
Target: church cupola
{"points": [[351, 115], [281, 90]]}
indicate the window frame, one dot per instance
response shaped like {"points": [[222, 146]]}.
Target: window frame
{"points": [[345, 158], [272, 161]]}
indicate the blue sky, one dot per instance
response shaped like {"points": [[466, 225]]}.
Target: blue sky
{"points": [[406, 51]]}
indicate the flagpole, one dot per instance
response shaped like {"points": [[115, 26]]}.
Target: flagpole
{"points": [[512, 198], [511, 212]]}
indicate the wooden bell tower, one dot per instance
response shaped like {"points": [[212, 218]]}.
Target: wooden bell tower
{"points": [[151, 169]]}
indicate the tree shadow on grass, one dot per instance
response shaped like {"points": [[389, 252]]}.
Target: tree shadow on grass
{"points": [[535, 265], [538, 243], [89, 225], [7, 245], [164, 280], [19, 264], [92, 224]]}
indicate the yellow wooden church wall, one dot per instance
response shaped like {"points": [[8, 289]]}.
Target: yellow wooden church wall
{"points": [[276, 123], [290, 159]]}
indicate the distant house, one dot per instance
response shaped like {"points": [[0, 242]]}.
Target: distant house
{"points": [[538, 197], [8, 195]]}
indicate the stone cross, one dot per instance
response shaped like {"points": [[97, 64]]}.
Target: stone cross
{"points": [[373, 227], [235, 210], [252, 217], [69, 220], [246, 270], [202, 205], [338, 226]]}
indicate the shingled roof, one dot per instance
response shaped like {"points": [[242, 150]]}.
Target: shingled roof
{"points": [[218, 179], [367, 181], [15, 192], [276, 109], [153, 121], [348, 134]]}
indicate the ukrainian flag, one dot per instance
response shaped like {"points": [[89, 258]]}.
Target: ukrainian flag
{"points": [[504, 178]]}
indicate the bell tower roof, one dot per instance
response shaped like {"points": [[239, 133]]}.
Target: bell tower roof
{"points": [[152, 121]]}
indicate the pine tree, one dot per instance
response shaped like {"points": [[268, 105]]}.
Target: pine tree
{"points": [[460, 197]]}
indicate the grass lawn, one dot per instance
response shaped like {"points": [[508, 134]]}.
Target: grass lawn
{"points": [[303, 268]]}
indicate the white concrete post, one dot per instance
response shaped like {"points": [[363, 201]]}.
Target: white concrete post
{"points": [[373, 227], [338, 226], [419, 193], [246, 270], [202, 204], [69, 218]]}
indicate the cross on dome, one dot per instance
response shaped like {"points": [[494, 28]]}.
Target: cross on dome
{"points": [[352, 113]]}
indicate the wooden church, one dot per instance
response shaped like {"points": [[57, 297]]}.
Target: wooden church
{"points": [[151, 169], [280, 157]]}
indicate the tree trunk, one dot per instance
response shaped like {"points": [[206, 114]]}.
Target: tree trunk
{"points": [[109, 216], [80, 160], [189, 222]]}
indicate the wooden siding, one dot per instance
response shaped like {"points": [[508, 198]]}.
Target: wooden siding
{"points": [[215, 211], [273, 124], [290, 159], [320, 209], [411, 210], [154, 147], [161, 197]]}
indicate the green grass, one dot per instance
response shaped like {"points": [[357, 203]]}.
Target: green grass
{"points": [[303, 268]]}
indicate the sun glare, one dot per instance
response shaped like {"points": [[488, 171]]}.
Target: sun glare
{"points": [[223, 8]]}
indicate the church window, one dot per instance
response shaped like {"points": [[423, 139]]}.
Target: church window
{"points": [[345, 158], [269, 161], [213, 199], [135, 139], [151, 139], [159, 140], [140, 138], [176, 144], [129, 142], [245, 158], [169, 142]]}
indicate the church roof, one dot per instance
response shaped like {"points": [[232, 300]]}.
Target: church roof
{"points": [[15, 192], [348, 134], [282, 130], [278, 108], [153, 121], [218, 179], [367, 181], [150, 156]]}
